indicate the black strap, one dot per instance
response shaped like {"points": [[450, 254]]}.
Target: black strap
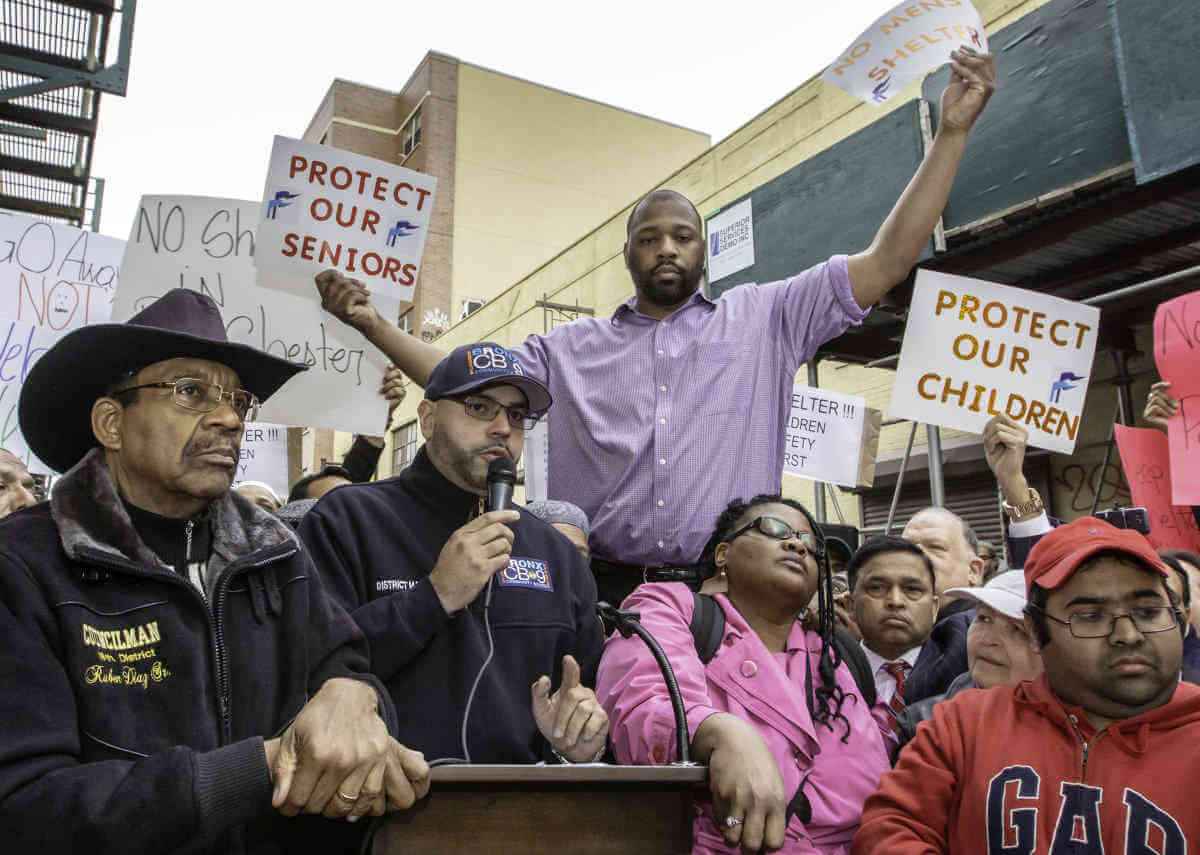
{"points": [[856, 660], [707, 626]]}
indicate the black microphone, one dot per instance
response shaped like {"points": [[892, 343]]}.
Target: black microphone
{"points": [[502, 475], [630, 623]]}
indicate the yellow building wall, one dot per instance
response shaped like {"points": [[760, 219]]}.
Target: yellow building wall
{"points": [[591, 270], [536, 168]]}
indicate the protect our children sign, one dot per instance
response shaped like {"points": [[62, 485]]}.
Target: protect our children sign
{"points": [[910, 40], [975, 349], [823, 437], [324, 207], [1176, 352]]}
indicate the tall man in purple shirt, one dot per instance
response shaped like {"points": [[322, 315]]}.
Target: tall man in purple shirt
{"points": [[676, 403]]}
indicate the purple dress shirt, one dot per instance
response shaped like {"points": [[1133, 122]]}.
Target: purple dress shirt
{"points": [[657, 425]]}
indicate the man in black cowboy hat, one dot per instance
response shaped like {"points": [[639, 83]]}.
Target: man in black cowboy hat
{"points": [[173, 668]]}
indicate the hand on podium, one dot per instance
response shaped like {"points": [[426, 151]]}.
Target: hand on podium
{"points": [[571, 719], [748, 798]]}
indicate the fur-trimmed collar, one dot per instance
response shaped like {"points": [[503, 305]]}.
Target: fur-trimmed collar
{"points": [[89, 514]]}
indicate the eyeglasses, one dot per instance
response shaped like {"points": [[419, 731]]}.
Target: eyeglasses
{"points": [[192, 393], [485, 409], [777, 529], [1100, 624]]}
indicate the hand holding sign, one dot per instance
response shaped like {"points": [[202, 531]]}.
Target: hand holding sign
{"points": [[1160, 406], [971, 85]]}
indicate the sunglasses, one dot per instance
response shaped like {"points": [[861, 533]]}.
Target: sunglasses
{"points": [[777, 529]]}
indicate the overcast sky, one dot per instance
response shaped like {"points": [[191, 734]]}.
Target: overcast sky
{"points": [[211, 83]]}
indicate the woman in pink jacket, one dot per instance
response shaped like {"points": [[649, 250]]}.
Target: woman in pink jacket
{"points": [[788, 769]]}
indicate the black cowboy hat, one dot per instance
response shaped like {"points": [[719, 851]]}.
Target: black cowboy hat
{"points": [[57, 396]]}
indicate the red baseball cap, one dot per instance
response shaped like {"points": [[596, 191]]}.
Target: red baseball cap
{"points": [[1058, 554]]}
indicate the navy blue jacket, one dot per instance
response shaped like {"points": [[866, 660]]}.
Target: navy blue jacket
{"points": [[943, 655], [376, 545], [132, 713]]}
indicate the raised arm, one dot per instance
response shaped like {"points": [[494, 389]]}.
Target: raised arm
{"points": [[898, 243], [349, 301]]}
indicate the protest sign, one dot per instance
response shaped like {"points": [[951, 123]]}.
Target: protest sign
{"points": [[910, 40], [21, 344], [1144, 458], [264, 456], [823, 436], [324, 207], [54, 275], [208, 245], [975, 349], [730, 241], [1177, 355]]}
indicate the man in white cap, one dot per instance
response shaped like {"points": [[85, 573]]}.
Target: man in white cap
{"points": [[1000, 649]]}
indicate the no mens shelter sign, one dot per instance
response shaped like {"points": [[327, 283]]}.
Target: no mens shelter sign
{"points": [[975, 349], [324, 207]]}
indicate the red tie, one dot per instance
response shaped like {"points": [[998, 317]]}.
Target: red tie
{"points": [[899, 671]]}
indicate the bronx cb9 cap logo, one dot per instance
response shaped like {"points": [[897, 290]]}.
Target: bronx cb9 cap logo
{"points": [[492, 359]]}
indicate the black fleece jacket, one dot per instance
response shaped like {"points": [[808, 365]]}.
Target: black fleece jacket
{"points": [[376, 545], [133, 713]]}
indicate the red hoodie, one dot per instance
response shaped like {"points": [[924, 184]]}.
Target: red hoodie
{"points": [[1013, 771]]}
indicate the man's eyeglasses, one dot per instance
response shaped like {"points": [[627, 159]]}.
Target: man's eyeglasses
{"points": [[485, 409], [777, 529], [1094, 623], [192, 393]]}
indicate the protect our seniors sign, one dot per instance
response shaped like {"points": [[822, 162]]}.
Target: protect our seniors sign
{"points": [[208, 245], [975, 349], [324, 207], [910, 40]]}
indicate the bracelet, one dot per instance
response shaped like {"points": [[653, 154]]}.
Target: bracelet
{"points": [[1026, 509]]}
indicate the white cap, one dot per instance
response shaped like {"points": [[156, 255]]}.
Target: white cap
{"points": [[1005, 593]]}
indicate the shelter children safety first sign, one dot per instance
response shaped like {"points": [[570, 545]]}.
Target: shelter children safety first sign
{"points": [[975, 349], [324, 207], [907, 42]]}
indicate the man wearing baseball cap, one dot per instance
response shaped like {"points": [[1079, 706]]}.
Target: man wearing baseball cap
{"points": [[175, 675], [1096, 755], [468, 610]]}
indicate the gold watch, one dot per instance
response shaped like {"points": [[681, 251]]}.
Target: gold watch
{"points": [[1031, 507]]}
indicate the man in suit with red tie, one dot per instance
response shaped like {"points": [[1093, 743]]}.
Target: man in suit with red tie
{"points": [[892, 585]]}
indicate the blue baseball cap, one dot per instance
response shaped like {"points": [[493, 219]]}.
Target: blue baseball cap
{"points": [[485, 363]]}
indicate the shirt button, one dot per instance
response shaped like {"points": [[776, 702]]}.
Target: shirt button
{"points": [[662, 388], [661, 352], [749, 668], [660, 544], [660, 504], [662, 421], [662, 461]]}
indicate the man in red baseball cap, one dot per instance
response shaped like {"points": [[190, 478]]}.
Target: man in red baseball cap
{"points": [[1097, 755]]}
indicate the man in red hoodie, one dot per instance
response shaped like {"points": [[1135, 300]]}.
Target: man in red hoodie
{"points": [[1098, 755]]}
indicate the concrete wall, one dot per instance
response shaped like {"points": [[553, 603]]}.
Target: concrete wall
{"points": [[537, 167]]}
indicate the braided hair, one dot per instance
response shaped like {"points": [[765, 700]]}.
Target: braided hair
{"points": [[828, 695]]}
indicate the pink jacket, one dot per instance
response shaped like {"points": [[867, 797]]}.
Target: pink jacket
{"points": [[764, 688]]}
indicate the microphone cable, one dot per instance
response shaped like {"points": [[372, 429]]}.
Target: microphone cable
{"points": [[487, 626]]}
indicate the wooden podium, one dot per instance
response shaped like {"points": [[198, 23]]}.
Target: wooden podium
{"points": [[585, 808]]}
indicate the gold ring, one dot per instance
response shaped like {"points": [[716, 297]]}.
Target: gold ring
{"points": [[346, 798]]}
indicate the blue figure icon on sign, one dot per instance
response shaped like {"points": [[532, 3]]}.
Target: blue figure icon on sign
{"points": [[282, 199], [403, 228], [1064, 382]]}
